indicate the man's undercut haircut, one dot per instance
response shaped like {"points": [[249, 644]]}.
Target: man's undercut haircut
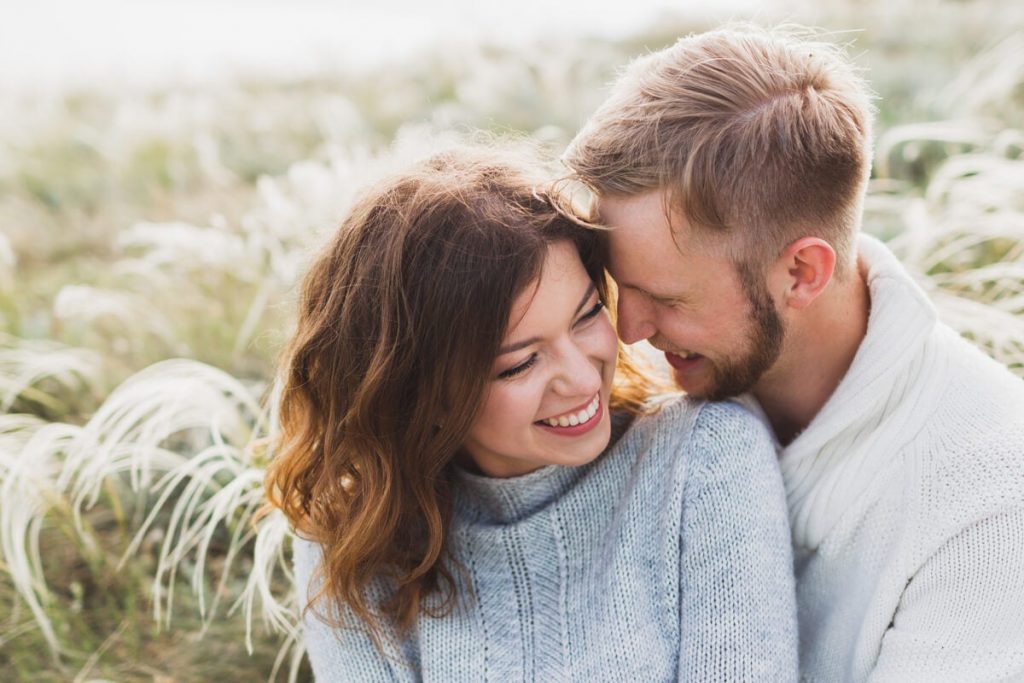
{"points": [[759, 137]]}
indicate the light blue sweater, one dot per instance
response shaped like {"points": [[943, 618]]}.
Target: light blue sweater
{"points": [[667, 558]]}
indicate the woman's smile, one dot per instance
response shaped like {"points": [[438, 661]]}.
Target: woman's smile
{"points": [[579, 420]]}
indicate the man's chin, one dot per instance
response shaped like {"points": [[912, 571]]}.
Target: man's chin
{"points": [[699, 388]]}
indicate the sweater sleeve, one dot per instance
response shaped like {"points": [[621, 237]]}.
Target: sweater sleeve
{"points": [[961, 617], [339, 655], [738, 602]]}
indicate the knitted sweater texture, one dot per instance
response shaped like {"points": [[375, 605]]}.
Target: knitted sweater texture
{"points": [[667, 558], [906, 497]]}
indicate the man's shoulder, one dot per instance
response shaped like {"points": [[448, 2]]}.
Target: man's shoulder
{"points": [[967, 463], [982, 397]]}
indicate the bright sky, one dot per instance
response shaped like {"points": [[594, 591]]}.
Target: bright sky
{"points": [[45, 44]]}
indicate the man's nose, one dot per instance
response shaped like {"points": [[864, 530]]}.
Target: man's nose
{"points": [[633, 322]]}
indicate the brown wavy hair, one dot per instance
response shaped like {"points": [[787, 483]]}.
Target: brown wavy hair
{"points": [[400, 319]]}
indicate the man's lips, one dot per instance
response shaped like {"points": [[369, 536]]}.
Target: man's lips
{"points": [[680, 363]]}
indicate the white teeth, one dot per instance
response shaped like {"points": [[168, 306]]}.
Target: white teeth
{"points": [[573, 419]]}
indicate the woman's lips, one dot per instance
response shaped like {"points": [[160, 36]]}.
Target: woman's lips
{"points": [[576, 430]]}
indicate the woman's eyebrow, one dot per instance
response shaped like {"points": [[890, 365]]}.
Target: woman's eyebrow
{"points": [[515, 346]]}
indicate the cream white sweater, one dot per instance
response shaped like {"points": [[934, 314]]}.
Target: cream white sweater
{"points": [[906, 499]]}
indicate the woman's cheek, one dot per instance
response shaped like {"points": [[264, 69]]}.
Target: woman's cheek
{"points": [[606, 343], [514, 405]]}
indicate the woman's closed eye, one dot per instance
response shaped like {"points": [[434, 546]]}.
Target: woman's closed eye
{"points": [[515, 370], [592, 313], [522, 367]]}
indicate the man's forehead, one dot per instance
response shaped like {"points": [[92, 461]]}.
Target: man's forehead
{"points": [[641, 244], [628, 210], [647, 218], [647, 271]]}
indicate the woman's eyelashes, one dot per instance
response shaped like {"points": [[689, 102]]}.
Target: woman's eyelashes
{"points": [[529, 362], [522, 367], [592, 313]]}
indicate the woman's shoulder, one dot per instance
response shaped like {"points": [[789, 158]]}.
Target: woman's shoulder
{"points": [[705, 424], [731, 445], [731, 423], [306, 558], [688, 418]]}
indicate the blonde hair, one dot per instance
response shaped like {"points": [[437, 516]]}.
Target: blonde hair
{"points": [[757, 136]]}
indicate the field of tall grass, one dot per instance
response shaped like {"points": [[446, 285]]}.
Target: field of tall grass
{"points": [[150, 241]]}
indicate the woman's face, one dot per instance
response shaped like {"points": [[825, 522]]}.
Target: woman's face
{"points": [[547, 402]]}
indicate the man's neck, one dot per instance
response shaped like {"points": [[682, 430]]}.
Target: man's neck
{"points": [[816, 357]]}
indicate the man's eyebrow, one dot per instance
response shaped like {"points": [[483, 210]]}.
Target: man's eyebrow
{"points": [[651, 295], [515, 346]]}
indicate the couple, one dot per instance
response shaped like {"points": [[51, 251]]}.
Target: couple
{"points": [[486, 487]]}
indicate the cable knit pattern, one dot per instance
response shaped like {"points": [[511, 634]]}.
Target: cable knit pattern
{"points": [[667, 558], [906, 496]]}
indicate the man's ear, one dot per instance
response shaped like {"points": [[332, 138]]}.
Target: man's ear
{"points": [[806, 267]]}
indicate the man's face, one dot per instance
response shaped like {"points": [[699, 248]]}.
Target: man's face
{"points": [[716, 322]]}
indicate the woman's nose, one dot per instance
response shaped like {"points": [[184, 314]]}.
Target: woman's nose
{"points": [[579, 374]]}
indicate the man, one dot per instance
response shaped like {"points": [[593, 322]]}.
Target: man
{"points": [[731, 169]]}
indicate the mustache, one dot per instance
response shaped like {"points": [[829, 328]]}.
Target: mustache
{"points": [[662, 344]]}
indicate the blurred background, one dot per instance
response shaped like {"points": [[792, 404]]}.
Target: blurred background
{"points": [[166, 168]]}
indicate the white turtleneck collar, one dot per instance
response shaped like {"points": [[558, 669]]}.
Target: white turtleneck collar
{"points": [[850, 442]]}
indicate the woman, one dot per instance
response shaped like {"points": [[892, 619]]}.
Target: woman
{"points": [[478, 494]]}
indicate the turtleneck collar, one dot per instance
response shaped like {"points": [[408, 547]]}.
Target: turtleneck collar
{"points": [[509, 500], [831, 463]]}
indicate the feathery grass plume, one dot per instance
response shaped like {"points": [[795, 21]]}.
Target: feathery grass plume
{"points": [[127, 320], [185, 435], [273, 534], [8, 305], [910, 151], [989, 85], [177, 403], [30, 461], [189, 248], [965, 239], [998, 332], [8, 260], [211, 289], [47, 377]]}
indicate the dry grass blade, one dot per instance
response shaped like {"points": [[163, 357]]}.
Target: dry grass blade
{"points": [[177, 400], [26, 365], [906, 144], [989, 84], [268, 559], [30, 452], [183, 434], [132, 317]]}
